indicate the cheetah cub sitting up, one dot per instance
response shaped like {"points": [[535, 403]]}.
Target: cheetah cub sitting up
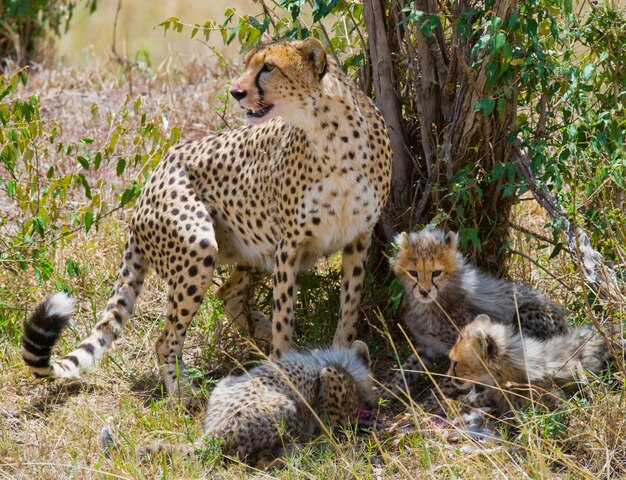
{"points": [[253, 413], [443, 293], [498, 365]]}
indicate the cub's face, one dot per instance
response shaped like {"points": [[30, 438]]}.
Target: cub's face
{"points": [[475, 356], [425, 262], [279, 80], [467, 364]]}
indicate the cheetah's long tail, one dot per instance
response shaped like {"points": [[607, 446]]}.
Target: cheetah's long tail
{"points": [[51, 316], [42, 331]]}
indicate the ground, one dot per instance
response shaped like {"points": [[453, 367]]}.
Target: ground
{"points": [[52, 430]]}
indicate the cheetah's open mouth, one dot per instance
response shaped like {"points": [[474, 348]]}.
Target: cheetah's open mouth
{"points": [[260, 113]]}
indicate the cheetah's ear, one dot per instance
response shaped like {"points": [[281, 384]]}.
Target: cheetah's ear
{"points": [[314, 52], [488, 345], [402, 240], [362, 351], [451, 240]]}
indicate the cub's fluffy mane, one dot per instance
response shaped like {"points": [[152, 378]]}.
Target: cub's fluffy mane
{"points": [[517, 358]]}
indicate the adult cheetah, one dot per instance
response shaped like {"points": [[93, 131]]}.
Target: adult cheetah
{"points": [[307, 177]]}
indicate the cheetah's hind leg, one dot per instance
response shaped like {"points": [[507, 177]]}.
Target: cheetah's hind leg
{"points": [[188, 273]]}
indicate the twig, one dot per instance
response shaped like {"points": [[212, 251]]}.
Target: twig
{"points": [[538, 265], [268, 13], [539, 236]]}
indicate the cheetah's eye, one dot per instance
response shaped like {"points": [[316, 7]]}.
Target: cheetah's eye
{"points": [[268, 67], [436, 273], [413, 273]]}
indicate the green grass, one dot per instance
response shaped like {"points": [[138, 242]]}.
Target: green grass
{"points": [[51, 430]]}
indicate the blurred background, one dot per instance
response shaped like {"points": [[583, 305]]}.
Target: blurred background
{"points": [[137, 34]]}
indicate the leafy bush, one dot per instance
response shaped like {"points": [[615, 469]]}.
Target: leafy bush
{"points": [[50, 188], [24, 24]]}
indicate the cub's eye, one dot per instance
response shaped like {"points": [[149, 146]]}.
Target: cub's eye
{"points": [[413, 273], [436, 273], [268, 67]]}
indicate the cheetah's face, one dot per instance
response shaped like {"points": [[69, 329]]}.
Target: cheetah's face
{"points": [[473, 358], [280, 79], [424, 263]]}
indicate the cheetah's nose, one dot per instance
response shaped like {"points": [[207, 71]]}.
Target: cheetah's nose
{"points": [[238, 94], [424, 293]]}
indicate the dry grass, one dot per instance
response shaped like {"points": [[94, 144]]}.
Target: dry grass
{"points": [[52, 430]]}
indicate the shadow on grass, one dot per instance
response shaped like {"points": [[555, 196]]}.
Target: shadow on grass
{"points": [[54, 395]]}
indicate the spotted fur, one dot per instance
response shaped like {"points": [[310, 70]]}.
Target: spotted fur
{"points": [[308, 177], [253, 415], [443, 293]]}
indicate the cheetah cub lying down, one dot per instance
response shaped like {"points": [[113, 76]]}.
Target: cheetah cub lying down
{"points": [[498, 365], [255, 413], [443, 293]]}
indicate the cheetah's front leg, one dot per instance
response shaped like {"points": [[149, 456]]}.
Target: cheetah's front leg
{"points": [[353, 272], [284, 297]]}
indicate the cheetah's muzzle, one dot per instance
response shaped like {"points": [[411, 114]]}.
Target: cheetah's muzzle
{"points": [[259, 113]]}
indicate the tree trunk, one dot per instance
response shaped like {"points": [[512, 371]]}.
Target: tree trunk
{"points": [[444, 145]]}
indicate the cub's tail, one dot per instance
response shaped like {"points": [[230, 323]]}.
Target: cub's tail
{"points": [[42, 331]]}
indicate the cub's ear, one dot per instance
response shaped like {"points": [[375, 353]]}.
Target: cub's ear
{"points": [[315, 53], [451, 240], [483, 318], [488, 345], [362, 351], [402, 240]]}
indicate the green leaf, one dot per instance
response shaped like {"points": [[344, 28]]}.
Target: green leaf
{"points": [[88, 220], [174, 135], [83, 162], [414, 16], [429, 25], [499, 42], [97, 161], [11, 184], [85, 184], [588, 71], [472, 234], [485, 104], [39, 224], [556, 250], [121, 165], [501, 106]]}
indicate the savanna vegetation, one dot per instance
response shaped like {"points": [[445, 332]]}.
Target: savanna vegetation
{"points": [[507, 121]]}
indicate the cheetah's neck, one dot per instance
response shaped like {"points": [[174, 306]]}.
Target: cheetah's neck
{"points": [[338, 128]]}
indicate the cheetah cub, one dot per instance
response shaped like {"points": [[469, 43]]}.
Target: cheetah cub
{"points": [[253, 413], [498, 365], [443, 293]]}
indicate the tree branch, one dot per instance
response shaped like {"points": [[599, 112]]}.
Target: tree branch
{"points": [[600, 277], [382, 72]]}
